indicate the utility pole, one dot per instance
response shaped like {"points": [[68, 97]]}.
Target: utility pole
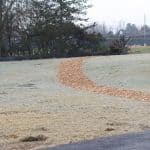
{"points": [[144, 30]]}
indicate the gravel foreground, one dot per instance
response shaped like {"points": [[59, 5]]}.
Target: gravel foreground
{"points": [[33, 102]]}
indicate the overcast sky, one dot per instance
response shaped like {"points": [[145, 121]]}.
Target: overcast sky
{"points": [[111, 12]]}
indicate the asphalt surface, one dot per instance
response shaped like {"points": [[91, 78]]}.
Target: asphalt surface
{"points": [[139, 141]]}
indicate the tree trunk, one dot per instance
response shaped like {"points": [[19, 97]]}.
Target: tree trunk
{"points": [[2, 48]]}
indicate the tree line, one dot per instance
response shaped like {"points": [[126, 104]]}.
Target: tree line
{"points": [[46, 28], [130, 30]]}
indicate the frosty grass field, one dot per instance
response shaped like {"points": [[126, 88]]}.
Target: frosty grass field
{"points": [[33, 102]]}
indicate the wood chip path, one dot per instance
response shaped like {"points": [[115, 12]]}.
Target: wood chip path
{"points": [[70, 73]]}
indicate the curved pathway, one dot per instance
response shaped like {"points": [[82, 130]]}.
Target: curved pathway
{"points": [[70, 74]]}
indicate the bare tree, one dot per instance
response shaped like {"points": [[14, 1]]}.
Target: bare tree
{"points": [[5, 8]]}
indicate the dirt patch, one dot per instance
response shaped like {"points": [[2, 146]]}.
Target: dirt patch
{"points": [[3, 93], [109, 129], [71, 74], [27, 85], [34, 138]]}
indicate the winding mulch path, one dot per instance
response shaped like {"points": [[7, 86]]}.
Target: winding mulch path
{"points": [[70, 74]]}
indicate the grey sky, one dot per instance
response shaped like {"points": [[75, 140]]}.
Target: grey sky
{"points": [[111, 12]]}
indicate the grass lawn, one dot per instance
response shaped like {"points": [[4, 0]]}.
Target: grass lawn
{"points": [[35, 106], [140, 49]]}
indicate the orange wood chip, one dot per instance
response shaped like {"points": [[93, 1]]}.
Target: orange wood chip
{"points": [[70, 74]]}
